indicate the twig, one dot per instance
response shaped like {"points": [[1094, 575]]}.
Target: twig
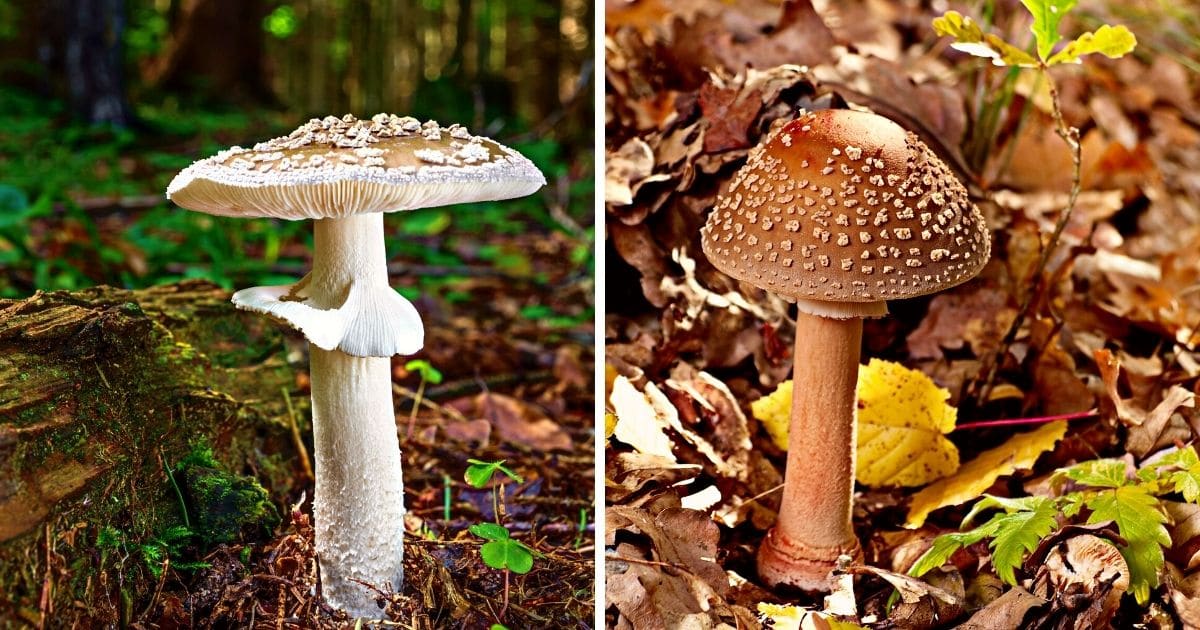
{"points": [[483, 384], [1070, 135], [451, 412], [297, 441]]}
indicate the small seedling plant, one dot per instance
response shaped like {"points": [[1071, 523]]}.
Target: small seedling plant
{"points": [[1111, 41], [501, 551], [429, 374], [1097, 491]]}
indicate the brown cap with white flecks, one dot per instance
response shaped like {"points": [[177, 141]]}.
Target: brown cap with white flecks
{"points": [[337, 167], [843, 210]]}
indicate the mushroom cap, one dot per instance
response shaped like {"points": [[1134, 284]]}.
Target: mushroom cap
{"points": [[842, 206], [338, 167]]}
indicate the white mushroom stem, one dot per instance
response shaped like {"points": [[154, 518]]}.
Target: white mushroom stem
{"points": [[814, 525], [358, 509]]}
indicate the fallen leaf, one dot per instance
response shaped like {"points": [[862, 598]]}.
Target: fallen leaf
{"points": [[902, 421], [515, 420], [1143, 438], [630, 473], [921, 605], [977, 475], [785, 617], [982, 312], [1010, 610], [686, 539], [640, 420], [774, 411]]}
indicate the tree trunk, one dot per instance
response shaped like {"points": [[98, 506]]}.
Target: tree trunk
{"points": [[102, 393], [216, 48], [84, 45]]}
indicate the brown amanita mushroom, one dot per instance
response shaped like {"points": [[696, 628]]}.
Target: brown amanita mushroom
{"points": [[840, 211]]}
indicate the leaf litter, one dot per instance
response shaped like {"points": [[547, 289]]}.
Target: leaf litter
{"points": [[515, 389], [1109, 336]]}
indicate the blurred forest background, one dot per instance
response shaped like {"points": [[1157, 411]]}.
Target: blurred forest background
{"points": [[103, 101]]}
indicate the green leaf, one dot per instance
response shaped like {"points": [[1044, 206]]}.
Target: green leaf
{"points": [[1072, 503], [944, 546], [1187, 483], [1184, 467], [1017, 534], [1140, 521], [1009, 505], [1180, 458], [1099, 473], [507, 554], [425, 369], [281, 23], [479, 473], [489, 531], [1110, 41], [1046, 16], [969, 38]]}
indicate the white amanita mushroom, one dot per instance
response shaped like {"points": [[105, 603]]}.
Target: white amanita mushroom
{"points": [[839, 210], [344, 173]]}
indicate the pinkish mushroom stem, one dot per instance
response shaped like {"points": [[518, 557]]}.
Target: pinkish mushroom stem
{"points": [[814, 525], [842, 211]]}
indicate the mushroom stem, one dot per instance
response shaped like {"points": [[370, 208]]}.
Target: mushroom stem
{"points": [[346, 251], [358, 507], [814, 525]]}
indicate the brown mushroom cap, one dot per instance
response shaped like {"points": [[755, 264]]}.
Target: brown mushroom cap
{"points": [[841, 206], [338, 167]]}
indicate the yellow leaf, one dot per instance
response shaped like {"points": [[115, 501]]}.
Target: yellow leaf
{"points": [[774, 411], [610, 424], [977, 475], [902, 419], [785, 617]]}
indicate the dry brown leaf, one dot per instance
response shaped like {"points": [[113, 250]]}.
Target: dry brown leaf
{"points": [[921, 605], [977, 318], [1010, 610], [1153, 431], [515, 420], [685, 539]]}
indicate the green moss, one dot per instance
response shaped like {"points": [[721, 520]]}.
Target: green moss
{"points": [[149, 390], [224, 507]]}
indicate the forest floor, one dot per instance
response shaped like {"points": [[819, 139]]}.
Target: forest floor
{"points": [[1089, 341], [516, 390], [506, 293]]}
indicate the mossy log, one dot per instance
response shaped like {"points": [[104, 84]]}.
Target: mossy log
{"points": [[106, 395]]}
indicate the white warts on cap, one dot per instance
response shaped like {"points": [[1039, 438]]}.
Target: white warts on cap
{"points": [[834, 213]]}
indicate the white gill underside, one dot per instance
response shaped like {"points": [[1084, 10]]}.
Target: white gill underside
{"points": [[345, 302], [358, 510]]}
